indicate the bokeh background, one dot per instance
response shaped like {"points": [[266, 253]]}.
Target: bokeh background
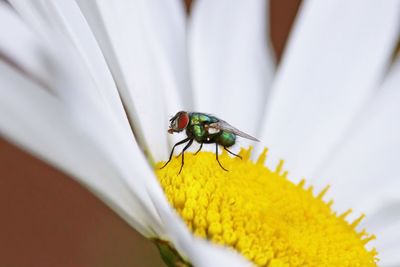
{"points": [[47, 219]]}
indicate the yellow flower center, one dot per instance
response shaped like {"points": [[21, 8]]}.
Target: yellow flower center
{"points": [[260, 213]]}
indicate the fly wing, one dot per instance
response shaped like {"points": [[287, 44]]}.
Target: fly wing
{"points": [[224, 126]]}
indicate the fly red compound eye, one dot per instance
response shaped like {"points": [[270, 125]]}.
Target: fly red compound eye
{"points": [[183, 120]]}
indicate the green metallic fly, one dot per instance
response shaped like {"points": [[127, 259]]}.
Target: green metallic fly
{"points": [[204, 129]]}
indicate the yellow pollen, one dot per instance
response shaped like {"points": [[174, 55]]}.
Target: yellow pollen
{"points": [[261, 214]]}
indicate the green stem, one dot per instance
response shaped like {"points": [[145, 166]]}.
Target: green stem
{"points": [[169, 255]]}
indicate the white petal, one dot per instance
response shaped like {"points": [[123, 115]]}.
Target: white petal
{"points": [[231, 60], [388, 245], [204, 254], [70, 90], [385, 224], [364, 170], [144, 45], [35, 120], [20, 46], [369, 155], [65, 17], [336, 57]]}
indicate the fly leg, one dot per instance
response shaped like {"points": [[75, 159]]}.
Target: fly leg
{"points": [[183, 154], [201, 146], [230, 152], [172, 151], [216, 155]]}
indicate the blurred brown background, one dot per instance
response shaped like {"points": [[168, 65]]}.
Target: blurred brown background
{"points": [[47, 219]]}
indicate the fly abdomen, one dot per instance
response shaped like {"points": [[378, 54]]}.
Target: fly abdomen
{"points": [[226, 139]]}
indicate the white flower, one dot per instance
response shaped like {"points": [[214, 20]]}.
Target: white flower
{"points": [[332, 107]]}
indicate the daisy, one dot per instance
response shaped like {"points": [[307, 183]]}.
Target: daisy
{"points": [[88, 87]]}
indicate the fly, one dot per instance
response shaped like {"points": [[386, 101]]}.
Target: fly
{"points": [[204, 129]]}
